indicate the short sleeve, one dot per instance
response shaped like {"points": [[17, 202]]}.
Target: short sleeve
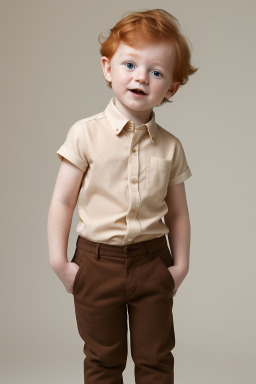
{"points": [[74, 147], [180, 170]]}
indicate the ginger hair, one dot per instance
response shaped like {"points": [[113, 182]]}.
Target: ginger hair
{"points": [[151, 26]]}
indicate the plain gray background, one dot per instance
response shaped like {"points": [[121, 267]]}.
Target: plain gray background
{"points": [[51, 77]]}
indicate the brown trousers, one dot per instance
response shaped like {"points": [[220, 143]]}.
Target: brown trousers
{"points": [[111, 281]]}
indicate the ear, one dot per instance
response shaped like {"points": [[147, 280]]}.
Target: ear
{"points": [[172, 90], [106, 68]]}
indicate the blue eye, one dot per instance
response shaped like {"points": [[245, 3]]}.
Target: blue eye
{"points": [[129, 65], [157, 74]]}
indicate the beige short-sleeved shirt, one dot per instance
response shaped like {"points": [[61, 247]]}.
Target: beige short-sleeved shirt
{"points": [[127, 171]]}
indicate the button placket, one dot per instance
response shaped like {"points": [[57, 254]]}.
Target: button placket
{"points": [[133, 226]]}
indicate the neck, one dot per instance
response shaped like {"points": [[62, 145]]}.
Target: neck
{"points": [[138, 117]]}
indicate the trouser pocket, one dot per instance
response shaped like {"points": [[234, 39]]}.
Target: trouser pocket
{"points": [[80, 259], [165, 261]]}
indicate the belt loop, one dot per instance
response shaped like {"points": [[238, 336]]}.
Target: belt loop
{"points": [[97, 256], [149, 251]]}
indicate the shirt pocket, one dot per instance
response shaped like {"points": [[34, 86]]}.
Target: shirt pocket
{"points": [[158, 173]]}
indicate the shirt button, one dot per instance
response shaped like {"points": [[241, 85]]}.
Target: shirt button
{"points": [[134, 150], [133, 181], [133, 210]]}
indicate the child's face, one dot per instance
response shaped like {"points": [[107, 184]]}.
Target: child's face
{"points": [[148, 69]]}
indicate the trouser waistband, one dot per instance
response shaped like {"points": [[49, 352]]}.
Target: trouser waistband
{"points": [[149, 247]]}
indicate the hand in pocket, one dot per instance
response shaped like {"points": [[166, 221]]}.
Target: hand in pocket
{"points": [[178, 275], [67, 273]]}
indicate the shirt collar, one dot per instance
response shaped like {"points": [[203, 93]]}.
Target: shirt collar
{"points": [[118, 121]]}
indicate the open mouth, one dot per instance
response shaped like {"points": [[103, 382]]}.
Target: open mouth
{"points": [[138, 91]]}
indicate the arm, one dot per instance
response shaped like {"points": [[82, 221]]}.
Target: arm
{"points": [[178, 223], [60, 215]]}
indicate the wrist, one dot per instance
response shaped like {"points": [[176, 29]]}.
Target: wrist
{"points": [[182, 270], [59, 266]]}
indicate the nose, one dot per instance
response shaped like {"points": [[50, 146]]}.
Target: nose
{"points": [[141, 76]]}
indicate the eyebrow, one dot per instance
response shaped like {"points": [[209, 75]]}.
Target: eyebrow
{"points": [[132, 54]]}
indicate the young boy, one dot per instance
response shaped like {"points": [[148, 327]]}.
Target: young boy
{"points": [[126, 172]]}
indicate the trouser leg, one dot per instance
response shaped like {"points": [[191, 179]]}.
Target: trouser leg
{"points": [[101, 315], [151, 321]]}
